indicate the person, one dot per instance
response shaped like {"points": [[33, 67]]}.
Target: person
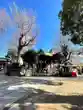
{"points": [[20, 61], [22, 66], [74, 72]]}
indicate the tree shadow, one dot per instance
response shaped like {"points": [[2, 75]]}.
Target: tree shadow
{"points": [[34, 96], [74, 107], [43, 81], [40, 96]]}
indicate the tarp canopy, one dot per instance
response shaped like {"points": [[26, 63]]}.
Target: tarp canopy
{"points": [[48, 54]]}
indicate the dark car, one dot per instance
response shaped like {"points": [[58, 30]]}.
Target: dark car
{"points": [[15, 70]]}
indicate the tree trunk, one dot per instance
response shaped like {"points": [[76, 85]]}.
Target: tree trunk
{"points": [[18, 54]]}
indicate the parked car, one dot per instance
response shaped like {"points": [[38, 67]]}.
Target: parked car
{"points": [[15, 69]]}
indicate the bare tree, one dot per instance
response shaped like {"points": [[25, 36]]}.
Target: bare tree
{"points": [[5, 21], [26, 26]]}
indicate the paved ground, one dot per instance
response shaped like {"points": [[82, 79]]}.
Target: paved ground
{"points": [[41, 93]]}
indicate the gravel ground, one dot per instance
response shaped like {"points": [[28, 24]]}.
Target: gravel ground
{"points": [[53, 94], [43, 93]]}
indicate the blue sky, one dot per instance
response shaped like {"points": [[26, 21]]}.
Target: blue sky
{"points": [[47, 18]]}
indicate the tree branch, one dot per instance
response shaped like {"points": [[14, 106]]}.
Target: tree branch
{"points": [[31, 40], [22, 34], [29, 28], [68, 57]]}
